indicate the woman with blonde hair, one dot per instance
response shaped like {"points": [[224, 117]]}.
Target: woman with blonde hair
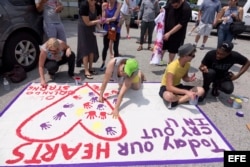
{"points": [[54, 53], [226, 16]]}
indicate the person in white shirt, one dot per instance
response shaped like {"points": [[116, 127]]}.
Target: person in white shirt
{"points": [[127, 9]]}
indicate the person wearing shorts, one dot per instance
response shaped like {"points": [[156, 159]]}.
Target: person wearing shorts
{"points": [[127, 9], [52, 23], [177, 16], [172, 91], [125, 71], [206, 16]]}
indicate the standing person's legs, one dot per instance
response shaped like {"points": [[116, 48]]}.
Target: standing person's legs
{"points": [[207, 30], [91, 60], [229, 36], [61, 32], [200, 31], [143, 30], [111, 43], [151, 26], [116, 45], [221, 37], [127, 23], [50, 30], [104, 51], [86, 67], [173, 48]]}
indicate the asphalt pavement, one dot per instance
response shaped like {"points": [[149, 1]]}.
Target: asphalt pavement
{"points": [[217, 109]]}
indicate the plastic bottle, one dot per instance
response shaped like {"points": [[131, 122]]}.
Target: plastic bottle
{"points": [[6, 84]]}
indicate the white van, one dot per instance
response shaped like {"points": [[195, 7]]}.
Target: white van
{"points": [[243, 3]]}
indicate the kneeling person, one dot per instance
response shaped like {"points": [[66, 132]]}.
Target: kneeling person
{"points": [[124, 71], [171, 90], [54, 53]]}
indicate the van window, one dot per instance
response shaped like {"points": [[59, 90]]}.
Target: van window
{"points": [[240, 2]]}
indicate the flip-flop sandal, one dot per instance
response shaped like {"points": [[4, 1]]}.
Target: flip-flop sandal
{"points": [[150, 48], [93, 72], [88, 76], [139, 48]]}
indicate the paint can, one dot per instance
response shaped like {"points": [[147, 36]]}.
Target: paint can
{"points": [[78, 80], [194, 101], [240, 113], [237, 103], [230, 100]]}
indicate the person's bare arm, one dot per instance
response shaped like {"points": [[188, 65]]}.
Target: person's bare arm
{"points": [[203, 68], [107, 76], [171, 87], [243, 69], [59, 7], [88, 22], [42, 58], [117, 12], [124, 88], [65, 47], [40, 5]]}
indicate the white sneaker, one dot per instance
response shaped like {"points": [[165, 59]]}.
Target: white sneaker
{"points": [[189, 33], [202, 47]]}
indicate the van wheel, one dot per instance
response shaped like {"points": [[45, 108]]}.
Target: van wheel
{"points": [[21, 49]]}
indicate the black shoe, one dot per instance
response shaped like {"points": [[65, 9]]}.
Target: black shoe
{"points": [[201, 99], [172, 105], [215, 92], [102, 68]]}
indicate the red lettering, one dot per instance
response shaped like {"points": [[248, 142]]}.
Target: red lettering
{"points": [[34, 159], [17, 153], [66, 87], [68, 153], [51, 153], [88, 151], [105, 150]]}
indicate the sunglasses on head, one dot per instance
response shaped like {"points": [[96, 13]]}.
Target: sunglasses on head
{"points": [[191, 55], [226, 47]]}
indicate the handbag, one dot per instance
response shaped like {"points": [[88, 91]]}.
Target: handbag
{"points": [[112, 34], [17, 74], [237, 27]]}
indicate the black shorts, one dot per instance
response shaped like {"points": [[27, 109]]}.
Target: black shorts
{"points": [[172, 46], [164, 88]]}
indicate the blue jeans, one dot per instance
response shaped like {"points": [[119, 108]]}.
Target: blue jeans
{"points": [[224, 34]]}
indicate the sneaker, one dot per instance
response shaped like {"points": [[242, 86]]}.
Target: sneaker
{"points": [[102, 68], [172, 105], [128, 37], [202, 47], [189, 33], [161, 63]]}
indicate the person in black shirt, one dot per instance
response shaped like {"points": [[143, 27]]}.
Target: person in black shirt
{"points": [[215, 67], [177, 16]]}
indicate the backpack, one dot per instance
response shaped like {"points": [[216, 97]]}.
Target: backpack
{"points": [[17, 74]]}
